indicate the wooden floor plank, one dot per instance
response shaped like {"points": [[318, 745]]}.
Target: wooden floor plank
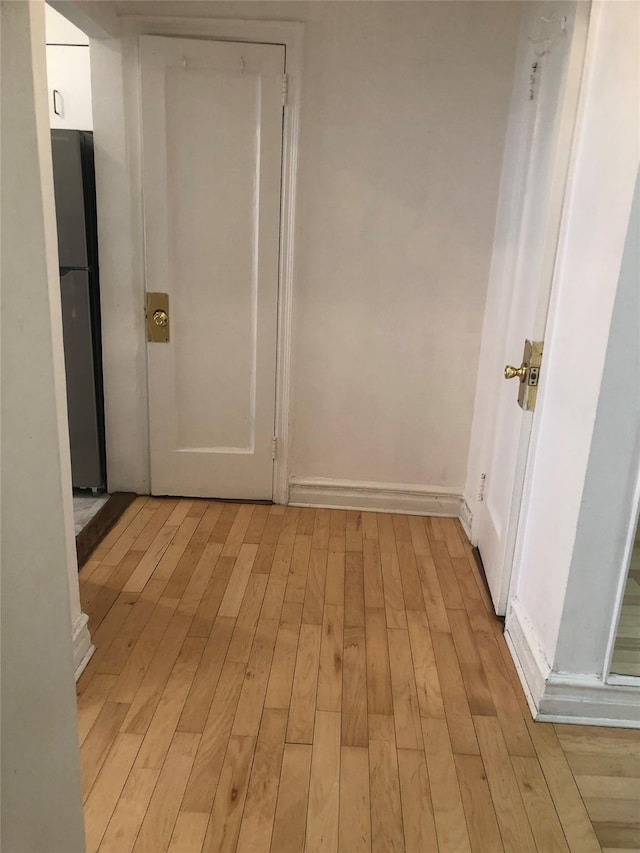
{"points": [[510, 811], [354, 590], [255, 530], [543, 819], [451, 828], [405, 699], [137, 663], [329, 696], [189, 832], [334, 586], [379, 690], [228, 805], [162, 727], [99, 741], [324, 785], [355, 808], [353, 531], [372, 567], [203, 780], [305, 685], [148, 694], [106, 791], [291, 809], [473, 675], [424, 665], [256, 677], [321, 529], [417, 810], [196, 707], [387, 830], [478, 807], [354, 688], [432, 594], [298, 568], [247, 621], [260, 805], [393, 595], [314, 594], [232, 599], [454, 697], [157, 826], [129, 813], [566, 797], [90, 702], [283, 666]]}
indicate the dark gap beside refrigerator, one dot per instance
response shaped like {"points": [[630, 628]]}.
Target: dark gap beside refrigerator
{"points": [[75, 195]]}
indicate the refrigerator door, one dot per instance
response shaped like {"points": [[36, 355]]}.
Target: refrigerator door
{"points": [[69, 195], [86, 459]]}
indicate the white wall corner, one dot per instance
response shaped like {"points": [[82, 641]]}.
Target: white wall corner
{"points": [[559, 697], [530, 660], [403, 498], [83, 648]]}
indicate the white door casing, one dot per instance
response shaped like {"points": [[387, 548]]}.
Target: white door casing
{"points": [[542, 118], [212, 147]]}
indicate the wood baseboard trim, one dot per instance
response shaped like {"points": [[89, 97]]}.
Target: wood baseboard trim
{"points": [[102, 522], [400, 498]]}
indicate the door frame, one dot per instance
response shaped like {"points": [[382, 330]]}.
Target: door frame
{"points": [[634, 525], [498, 306], [287, 33]]}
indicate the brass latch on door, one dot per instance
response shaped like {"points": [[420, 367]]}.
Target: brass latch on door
{"points": [[157, 314], [528, 373]]}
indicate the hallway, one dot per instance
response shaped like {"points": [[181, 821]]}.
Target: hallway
{"points": [[273, 678]]}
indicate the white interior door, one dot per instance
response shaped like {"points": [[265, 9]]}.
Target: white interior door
{"points": [[212, 141], [543, 111]]}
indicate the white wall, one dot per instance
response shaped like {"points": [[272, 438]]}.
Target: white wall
{"points": [[41, 797], [607, 509], [565, 572], [403, 121]]}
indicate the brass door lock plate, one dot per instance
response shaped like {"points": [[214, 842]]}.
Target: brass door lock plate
{"points": [[157, 314], [528, 373]]}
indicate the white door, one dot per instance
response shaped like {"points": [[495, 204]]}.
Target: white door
{"points": [[543, 111], [212, 142]]}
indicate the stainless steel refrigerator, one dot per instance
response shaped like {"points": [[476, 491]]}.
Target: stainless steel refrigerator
{"points": [[74, 185]]}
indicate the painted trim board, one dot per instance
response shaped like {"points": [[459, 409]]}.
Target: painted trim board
{"points": [[556, 697], [83, 648], [403, 498]]}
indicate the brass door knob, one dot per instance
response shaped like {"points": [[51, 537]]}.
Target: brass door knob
{"points": [[160, 317], [521, 372]]}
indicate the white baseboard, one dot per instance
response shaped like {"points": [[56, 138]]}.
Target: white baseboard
{"points": [[466, 520], [531, 663], [381, 497], [556, 697], [83, 648], [588, 700]]}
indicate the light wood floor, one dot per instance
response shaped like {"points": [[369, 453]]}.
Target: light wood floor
{"points": [[286, 680]]}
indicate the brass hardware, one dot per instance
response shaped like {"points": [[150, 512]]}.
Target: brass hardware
{"points": [[512, 372], [528, 373], [157, 314]]}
